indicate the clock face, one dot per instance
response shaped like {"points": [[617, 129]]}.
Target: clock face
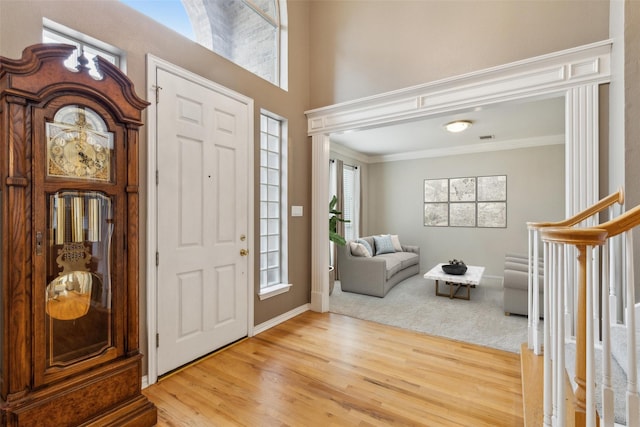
{"points": [[79, 145]]}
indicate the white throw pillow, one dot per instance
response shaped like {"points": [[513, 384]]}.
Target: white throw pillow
{"points": [[396, 243], [358, 249]]}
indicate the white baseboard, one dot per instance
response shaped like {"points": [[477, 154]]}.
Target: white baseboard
{"points": [[279, 319], [145, 382]]}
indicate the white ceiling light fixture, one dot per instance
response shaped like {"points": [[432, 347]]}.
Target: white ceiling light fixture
{"points": [[458, 126]]}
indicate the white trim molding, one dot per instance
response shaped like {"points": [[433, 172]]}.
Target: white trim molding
{"points": [[272, 291], [279, 319], [320, 221], [552, 73], [347, 152], [574, 73]]}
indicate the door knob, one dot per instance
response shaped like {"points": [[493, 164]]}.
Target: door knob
{"points": [[244, 252]]}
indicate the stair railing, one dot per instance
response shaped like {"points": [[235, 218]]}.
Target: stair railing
{"points": [[593, 279], [587, 217]]}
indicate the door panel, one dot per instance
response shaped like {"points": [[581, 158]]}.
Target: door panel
{"points": [[202, 212]]}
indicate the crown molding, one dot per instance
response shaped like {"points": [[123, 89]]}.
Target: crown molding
{"points": [[347, 152], [546, 74], [485, 147]]}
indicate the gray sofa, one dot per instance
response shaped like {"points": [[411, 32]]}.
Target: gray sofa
{"points": [[516, 285], [376, 275]]}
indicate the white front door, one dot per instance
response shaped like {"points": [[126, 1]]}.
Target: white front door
{"points": [[202, 220]]}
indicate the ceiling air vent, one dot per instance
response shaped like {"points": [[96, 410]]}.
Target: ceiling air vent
{"points": [[485, 137]]}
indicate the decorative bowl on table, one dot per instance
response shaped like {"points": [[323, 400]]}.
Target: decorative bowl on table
{"points": [[455, 267]]}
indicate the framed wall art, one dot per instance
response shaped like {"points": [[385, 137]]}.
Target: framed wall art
{"points": [[466, 202]]}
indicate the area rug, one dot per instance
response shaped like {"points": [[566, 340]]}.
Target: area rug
{"points": [[412, 304]]}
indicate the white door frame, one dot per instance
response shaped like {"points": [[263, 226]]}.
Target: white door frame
{"points": [[574, 73], [153, 64]]}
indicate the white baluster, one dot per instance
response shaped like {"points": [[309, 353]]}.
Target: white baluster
{"points": [[530, 333], [548, 374], [569, 296], [607, 390], [534, 314], [571, 291], [560, 343], [590, 377], [633, 402]]}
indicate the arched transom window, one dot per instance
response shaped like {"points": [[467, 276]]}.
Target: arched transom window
{"points": [[250, 33]]}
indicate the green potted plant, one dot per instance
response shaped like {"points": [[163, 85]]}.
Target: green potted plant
{"points": [[335, 216]]}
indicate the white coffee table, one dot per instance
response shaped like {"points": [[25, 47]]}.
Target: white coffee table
{"points": [[468, 280]]}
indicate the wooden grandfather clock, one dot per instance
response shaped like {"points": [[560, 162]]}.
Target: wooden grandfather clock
{"points": [[69, 235]]}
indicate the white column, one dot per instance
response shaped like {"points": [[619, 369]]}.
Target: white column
{"points": [[320, 224], [581, 148], [581, 174]]}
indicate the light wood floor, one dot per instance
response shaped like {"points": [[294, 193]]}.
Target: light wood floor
{"points": [[332, 370]]}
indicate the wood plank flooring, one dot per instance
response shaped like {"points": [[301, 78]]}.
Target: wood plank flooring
{"points": [[332, 370]]}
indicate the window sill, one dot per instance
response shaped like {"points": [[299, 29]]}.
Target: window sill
{"points": [[274, 290]]}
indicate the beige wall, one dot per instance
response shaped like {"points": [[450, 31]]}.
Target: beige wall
{"points": [[120, 26], [362, 48]]}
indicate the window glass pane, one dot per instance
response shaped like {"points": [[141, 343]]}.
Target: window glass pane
{"points": [[273, 277], [272, 259], [273, 226], [90, 51], [273, 194], [254, 44], [274, 143], [274, 210], [273, 177], [274, 160], [274, 127], [266, 6], [274, 243]]}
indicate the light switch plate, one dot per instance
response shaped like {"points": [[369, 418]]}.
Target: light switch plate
{"points": [[296, 210]]}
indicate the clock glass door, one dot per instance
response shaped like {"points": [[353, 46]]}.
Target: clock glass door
{"points": [[78, 293]]}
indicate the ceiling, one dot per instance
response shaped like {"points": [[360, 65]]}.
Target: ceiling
{"points": [[506, 125]]}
